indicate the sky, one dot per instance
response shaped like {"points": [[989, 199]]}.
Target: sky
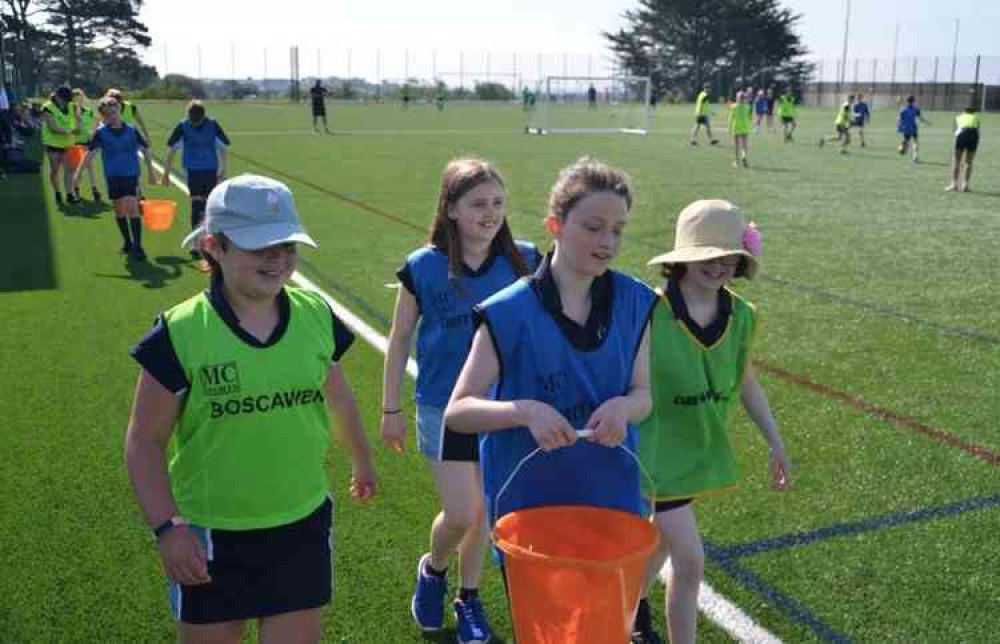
{"points": [[394, 38]]}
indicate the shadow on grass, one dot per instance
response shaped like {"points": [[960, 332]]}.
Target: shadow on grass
{"points": [[982, 193], [760, 168], [450, 635], [85, 210], [152, 274], [27, 263]]}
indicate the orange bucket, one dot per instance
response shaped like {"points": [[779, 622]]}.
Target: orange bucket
{"points": [[574, 573], [158, 214], [75, 155]]}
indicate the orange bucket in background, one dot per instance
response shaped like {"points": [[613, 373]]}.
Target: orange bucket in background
{"points": [[574, 573], [158, 214], [75, 155]]}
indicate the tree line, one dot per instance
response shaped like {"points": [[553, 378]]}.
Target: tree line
{"points": [[730, 44], [92, 44]]}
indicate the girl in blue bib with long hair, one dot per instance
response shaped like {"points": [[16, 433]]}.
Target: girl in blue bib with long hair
{"points": [[471, 255]]}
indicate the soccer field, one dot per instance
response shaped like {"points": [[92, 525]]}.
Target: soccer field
{"points": [[880, 351]]}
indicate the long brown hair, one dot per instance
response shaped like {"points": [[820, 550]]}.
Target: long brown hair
{"points": [[459, 177]]}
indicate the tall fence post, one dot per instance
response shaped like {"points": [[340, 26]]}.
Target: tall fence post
{"points": [[934, 86], [975, 85]]}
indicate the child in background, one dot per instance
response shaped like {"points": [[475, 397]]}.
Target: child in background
{"points": [[59, 131], [908, 127], [204, 159], [88, 122], [119, 145], [702, 116], [471, 256], [966, 144], [760, 108], [862, 115], [842, 122], [701, 337], [739, 128], [786, 112]]}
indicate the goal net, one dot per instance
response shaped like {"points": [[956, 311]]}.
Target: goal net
{"points": [[590, 105]]}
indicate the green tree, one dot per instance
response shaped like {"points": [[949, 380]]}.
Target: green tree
{"points": [[88, 26], [729, 43], [493, 92]]}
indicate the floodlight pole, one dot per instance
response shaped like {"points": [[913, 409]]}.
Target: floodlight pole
{"points": [[954, 53], [847, 25]]}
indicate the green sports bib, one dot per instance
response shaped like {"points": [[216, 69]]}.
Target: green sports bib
{"points": [[684, 443], [86, 125], [250, 445], [741, 118], [65, 121]]}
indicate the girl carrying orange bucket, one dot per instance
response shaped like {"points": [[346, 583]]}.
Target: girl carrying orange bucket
{"points": [[592, 373]]}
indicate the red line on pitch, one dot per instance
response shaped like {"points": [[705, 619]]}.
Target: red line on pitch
{"points": [[331, 193], [980, 452]]}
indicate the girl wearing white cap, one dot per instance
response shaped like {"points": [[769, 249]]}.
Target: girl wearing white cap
{"points": [[236, 389], [701, 338]]}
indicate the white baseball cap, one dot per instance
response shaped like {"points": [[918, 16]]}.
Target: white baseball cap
{"points": [[254, 212]]}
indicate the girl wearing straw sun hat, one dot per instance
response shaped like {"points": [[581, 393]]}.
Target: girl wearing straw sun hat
{"points": [[699, 364]]}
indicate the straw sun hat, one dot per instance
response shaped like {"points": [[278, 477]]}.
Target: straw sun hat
{"points": [[712, 228]]}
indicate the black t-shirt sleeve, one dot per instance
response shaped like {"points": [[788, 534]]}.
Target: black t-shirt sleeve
{"points": [[155, 352], [405, 277], [342, 338], [175, 136], [219, 134]]}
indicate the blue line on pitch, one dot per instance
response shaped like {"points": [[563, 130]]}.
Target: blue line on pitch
{"points": [[971, 334], [794, 610], [858, 527]]}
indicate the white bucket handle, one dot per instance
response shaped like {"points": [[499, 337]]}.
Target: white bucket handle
{"points": [[581, 433]]}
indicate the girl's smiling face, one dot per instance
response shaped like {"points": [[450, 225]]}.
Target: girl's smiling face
{"points": [[254, 274], [713, 274], [480, 212]]}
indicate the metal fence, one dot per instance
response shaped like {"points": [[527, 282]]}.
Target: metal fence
{"points": [[938, 82], [272, 67]]}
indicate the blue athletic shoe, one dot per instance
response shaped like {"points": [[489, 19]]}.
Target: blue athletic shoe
{"points": [[427, 606], [472, 625]]}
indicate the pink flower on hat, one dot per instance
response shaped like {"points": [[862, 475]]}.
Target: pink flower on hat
{"points": [[752, 240]]}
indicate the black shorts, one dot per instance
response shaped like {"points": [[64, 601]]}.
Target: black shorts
{"points": [[967, 139], [701, 120], [319, 109], [858, 122], [259, 573], [843, 129], [462, 448], [201, 182], [787, 119], [909, 135], [119, 187], [673, 504]]}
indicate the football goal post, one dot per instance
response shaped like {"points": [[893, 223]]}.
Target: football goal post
{"points": [[591, 105]]}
